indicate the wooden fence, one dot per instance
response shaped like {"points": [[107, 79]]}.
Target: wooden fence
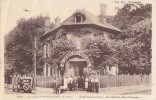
{"points": [[124, 80], [105, 81], [46, 82]]}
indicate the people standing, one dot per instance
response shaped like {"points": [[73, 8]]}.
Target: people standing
{"points": [[97, 85], [83, 83], [92, 84], [89, 84], [86, 83], [56, 85], [79, 82], [73, 83], [70, 83], [76, 83], [58, 90], [65, 83]]}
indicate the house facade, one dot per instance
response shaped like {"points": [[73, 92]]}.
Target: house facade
{"points": [[77, 27]]}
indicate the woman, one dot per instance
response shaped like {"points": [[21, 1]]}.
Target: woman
{"points": [[65, 83], [86, 83]]}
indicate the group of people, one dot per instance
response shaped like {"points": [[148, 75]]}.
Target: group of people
{"points": [[81, 83]]}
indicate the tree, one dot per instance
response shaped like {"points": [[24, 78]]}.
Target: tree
{"points": [[135, 51], [19, 44], [130, 14]]}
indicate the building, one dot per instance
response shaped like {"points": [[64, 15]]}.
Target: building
{"points": [[80, 24]]}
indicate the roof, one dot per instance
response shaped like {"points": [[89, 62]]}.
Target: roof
{"points": [[90, 19]]}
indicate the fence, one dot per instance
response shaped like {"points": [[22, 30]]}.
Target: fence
{"points": [[46, 82], [105, 81], [124, 80]]}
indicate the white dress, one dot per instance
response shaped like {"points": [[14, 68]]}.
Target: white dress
{"points": [[86, 83], [65, 83]]}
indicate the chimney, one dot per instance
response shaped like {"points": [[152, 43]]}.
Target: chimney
{"points": [[57, 21], [102, 16], [47, 23]]}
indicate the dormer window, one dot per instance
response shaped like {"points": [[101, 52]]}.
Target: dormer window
{"points": [[79, 18]]}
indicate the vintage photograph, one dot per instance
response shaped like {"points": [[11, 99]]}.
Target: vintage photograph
{"points": [[72, 47]]}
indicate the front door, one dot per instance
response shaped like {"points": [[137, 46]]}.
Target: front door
{"points": [[81, 71], [78, 67]]}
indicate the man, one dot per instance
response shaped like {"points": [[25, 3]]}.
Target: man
{"points": [[54, 82], [70, 83], [83, 83], [89, 84], [76, 83], [97, 85], [79, 82], [57, 86], [73, 83], [92, 84]]}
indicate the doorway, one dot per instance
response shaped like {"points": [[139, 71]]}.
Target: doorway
{"points": [[79, 67]]}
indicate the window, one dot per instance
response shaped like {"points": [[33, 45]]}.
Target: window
{"points": [[79, 18], [48, 50], [45, 51], [46, 70]]}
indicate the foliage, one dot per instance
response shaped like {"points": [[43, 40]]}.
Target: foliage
{"points": [[60, 47], [131, 51], [130, 14], [135, 21], [19, 44], [97, 49]]}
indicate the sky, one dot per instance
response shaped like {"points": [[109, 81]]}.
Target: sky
{"points": [[13, 10]]}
